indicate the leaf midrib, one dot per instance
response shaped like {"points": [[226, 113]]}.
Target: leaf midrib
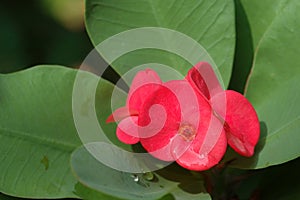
{"points": [[259, 44], [155, 15], [68, 147]]}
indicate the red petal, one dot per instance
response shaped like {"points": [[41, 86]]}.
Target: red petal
{"points": [[136, 99], [242, 124], [203, 79], [120, 114], [144, 77], [157, 144], [143, 84], [128, 130], [194, 160], [184, 106], [209, 146]]}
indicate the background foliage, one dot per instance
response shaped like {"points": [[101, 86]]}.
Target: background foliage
{"points": [[254, 43]]}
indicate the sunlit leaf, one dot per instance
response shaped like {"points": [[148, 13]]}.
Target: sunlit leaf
{"points": [[209, 23]]}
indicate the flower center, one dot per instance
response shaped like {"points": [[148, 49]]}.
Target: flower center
{"points": [[187, 132]]}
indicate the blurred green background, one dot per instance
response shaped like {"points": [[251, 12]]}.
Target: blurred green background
{"points": [[42, 32]]}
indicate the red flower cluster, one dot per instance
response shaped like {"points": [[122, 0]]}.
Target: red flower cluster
{"points": [[189, 121]]}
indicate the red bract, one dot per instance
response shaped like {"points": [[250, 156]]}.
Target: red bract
{"points": [[189, 121], [142, 86], [241, 124], [239, 117]]}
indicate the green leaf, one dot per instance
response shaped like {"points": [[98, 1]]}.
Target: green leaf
{"points": [[110, 182], [273, 85], [94, 99], [209, 23], [269, 10], [97, 176], [37, 132], [38, 109]]}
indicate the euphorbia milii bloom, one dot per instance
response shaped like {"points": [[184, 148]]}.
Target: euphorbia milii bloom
{"points": [[188, 124], [188, 120]]}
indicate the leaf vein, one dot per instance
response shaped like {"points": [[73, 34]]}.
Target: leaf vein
{"points": [[213, 21], [287, 125], [33, 138], [118, 8], [114, 22], [188, 15], [259, 44]]}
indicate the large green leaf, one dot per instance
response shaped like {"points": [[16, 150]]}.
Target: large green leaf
{"points": [[37, 132], [110, 182], [273, 85], [210, 23], [102, 178]]}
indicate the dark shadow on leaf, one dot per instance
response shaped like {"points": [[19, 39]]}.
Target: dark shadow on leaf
{"points": [[193, 187], [244, 52], [263, 135], [187, 181], [167, 197], [175, 173]]}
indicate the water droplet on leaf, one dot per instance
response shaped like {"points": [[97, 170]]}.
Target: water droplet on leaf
{"points": [[149, 176], [135, 177]]}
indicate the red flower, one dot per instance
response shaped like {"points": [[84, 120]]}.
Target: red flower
{"points": [[188, 120], [191, 134]]}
